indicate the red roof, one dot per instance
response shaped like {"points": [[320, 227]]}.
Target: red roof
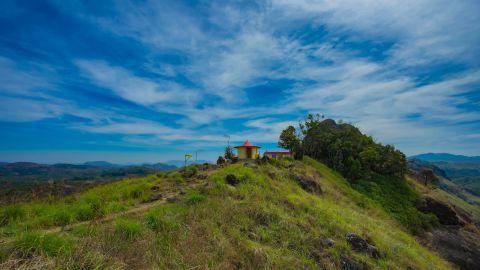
{"points": [[247, 143], [278, 153]]}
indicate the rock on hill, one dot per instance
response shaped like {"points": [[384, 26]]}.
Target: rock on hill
{"points": [[274, 215]]}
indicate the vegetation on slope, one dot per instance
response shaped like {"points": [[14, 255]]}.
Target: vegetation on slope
{"points": [[266, 221], [373, 169], [468, 206], [95, 203], [343, 148]]}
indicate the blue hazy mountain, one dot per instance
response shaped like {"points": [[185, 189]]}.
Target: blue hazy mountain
{"points": [[433, 157], [101, 164]]}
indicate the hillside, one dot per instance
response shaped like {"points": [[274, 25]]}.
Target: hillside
{"points": [[274, 215], [345, 202], [462, 170]]}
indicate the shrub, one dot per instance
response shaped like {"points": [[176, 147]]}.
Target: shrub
{"points": [[115, 207], [84, 212], [136, 192], [96, 204], [61, 216], [195, 198], [11, 213], [84, 230], [128, 229], [159, 221], [190, 171], [397, 198], [29, 244]]}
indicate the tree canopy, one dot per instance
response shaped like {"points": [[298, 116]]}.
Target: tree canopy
{"points": [[343, 147]]}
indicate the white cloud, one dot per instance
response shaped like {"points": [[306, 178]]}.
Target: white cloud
{"points": [[26, 81], [422, 30], [25, 110], [133, 88], [139, 127]]}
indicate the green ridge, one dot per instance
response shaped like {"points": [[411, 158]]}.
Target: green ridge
{"points": [[267, 221]]}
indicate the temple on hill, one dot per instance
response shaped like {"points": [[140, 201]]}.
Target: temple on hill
{"points": [[248, 151]]}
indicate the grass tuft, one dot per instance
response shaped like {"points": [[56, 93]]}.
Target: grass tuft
{"points": [[33, 243], [10, 214], [127, 229], [195, 198]]}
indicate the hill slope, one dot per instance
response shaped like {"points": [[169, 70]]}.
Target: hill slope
{"points": [[279, 215], [464, 173]]}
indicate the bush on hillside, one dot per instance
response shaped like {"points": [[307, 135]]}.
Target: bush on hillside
{"points": [[32, 243], [128, 229], [11, 213]]}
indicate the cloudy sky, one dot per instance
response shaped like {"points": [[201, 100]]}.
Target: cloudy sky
{"points": [[133, 81]]}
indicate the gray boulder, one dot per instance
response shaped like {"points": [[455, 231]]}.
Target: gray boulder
{"points": [[361, 245]]}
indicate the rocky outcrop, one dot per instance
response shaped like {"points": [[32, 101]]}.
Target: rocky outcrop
{"points": [[361, 245], [327, 242], [154, 197], [445, 214], [349, 264], [232, 180], [309, 184], [457, 245]]}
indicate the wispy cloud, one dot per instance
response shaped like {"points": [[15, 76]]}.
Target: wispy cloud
{"points": [[422, 31], [133, 88]]}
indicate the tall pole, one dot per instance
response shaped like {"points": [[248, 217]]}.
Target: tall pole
{"points": [[228, 139]]}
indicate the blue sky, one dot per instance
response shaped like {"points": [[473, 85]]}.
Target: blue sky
{"points": [[147, 81]]}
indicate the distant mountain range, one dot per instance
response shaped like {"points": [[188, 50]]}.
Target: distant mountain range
{"points": [[181, 163], [462, 170], [156, 166], [445, 157], [92, 170], [102, 164]]}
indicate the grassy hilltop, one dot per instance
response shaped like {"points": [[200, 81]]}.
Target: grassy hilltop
{"points": [[277, 215]]}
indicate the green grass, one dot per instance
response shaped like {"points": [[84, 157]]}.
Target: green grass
{"points": [[471, 206], [398, 199], [33, 243], [392, 194], [11, 213], [165, 219], [267, 221], [195, 198], [89, 205], [128, 229]]}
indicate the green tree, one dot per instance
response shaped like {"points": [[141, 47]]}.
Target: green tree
{"points": [[428, 176], [229, 152], [289, 140], [343, 147]]}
